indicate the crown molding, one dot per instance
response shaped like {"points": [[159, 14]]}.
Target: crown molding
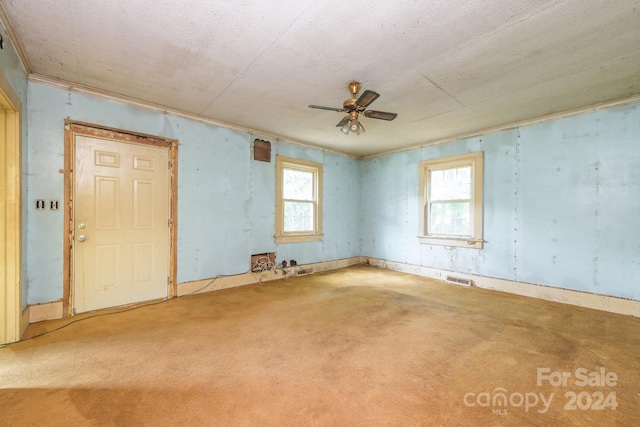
{"points": [[162, 109], [111, 96], [593, 108]]}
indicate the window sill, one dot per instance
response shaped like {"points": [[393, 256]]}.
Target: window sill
{"points": [[297, 238], [449, 241]]}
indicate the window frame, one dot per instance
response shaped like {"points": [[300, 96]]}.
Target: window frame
{"points": [[475, 161], [315, 168]]}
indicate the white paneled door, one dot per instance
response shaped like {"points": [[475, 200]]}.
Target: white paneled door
{"points": [[121, 232]]}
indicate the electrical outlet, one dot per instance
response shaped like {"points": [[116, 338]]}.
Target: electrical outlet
{"points": [[40, 204], [54, 205]]}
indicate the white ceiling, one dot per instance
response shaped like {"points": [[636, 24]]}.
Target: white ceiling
{"points": [[447, 67]]}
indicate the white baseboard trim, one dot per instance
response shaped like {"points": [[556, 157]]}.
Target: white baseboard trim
{"points": [[225, 282], [45, 311], [549, 293]]}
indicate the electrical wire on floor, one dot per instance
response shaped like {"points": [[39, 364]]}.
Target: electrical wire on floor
{"points": [[124, 310], [127, 309]]}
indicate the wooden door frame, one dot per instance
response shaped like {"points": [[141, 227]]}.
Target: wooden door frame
{"points": [[12, 326], [72, 128]]}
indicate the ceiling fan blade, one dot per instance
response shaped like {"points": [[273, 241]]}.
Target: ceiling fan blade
{"points": [[320, 107], [367, 97], [342, 122], [382, 115]]}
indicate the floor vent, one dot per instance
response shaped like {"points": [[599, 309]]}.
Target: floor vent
{"points": [[460, 281]]}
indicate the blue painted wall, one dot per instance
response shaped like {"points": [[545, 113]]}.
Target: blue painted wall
{"points": [[226, 200], [14, 74], [561, 205]]}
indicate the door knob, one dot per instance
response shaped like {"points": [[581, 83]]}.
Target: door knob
{"points": [[82, 238]]}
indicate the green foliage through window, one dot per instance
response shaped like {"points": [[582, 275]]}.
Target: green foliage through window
{"points": [[298, 192], [449, 202], [298, 200], [298, 216]]}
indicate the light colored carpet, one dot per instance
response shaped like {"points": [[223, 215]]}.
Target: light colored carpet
{"points": [[354, 347]]}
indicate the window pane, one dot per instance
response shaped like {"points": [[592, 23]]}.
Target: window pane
{"points": [[450, 219], [297, 184], [298, 216], [451, 184]]}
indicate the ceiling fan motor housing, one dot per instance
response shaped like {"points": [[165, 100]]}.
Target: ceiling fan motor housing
{"points": [[349, 104]]}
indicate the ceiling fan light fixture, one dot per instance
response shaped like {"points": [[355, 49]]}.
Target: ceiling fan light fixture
{"points": [[356, 127], [351, 124], [345, 127]]}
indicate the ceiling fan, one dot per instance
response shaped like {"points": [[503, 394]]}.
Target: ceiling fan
{"points": [[354, 106]]}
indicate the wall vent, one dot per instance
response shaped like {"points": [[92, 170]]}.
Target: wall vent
{"points": [[460, 281], [261, 150]]}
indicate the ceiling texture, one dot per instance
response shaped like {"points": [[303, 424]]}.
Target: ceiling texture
{"points": [[449, 68]]}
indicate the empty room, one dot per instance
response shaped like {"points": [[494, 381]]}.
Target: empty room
{"points": [[319, 213]]}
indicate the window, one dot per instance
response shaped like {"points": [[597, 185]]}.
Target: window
{"points": [[298, 200], [451, 201]]}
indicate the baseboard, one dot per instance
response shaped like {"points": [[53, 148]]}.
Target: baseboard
{"points": [[46, 311], [608, 303], [53, 310], [225, 282], [25, 320]]}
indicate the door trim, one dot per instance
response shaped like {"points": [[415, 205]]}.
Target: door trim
{"points": [[72, 128], [11, 320]]}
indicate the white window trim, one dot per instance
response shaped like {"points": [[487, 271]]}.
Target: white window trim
{"points": [[475, 160], [305, 236]]}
